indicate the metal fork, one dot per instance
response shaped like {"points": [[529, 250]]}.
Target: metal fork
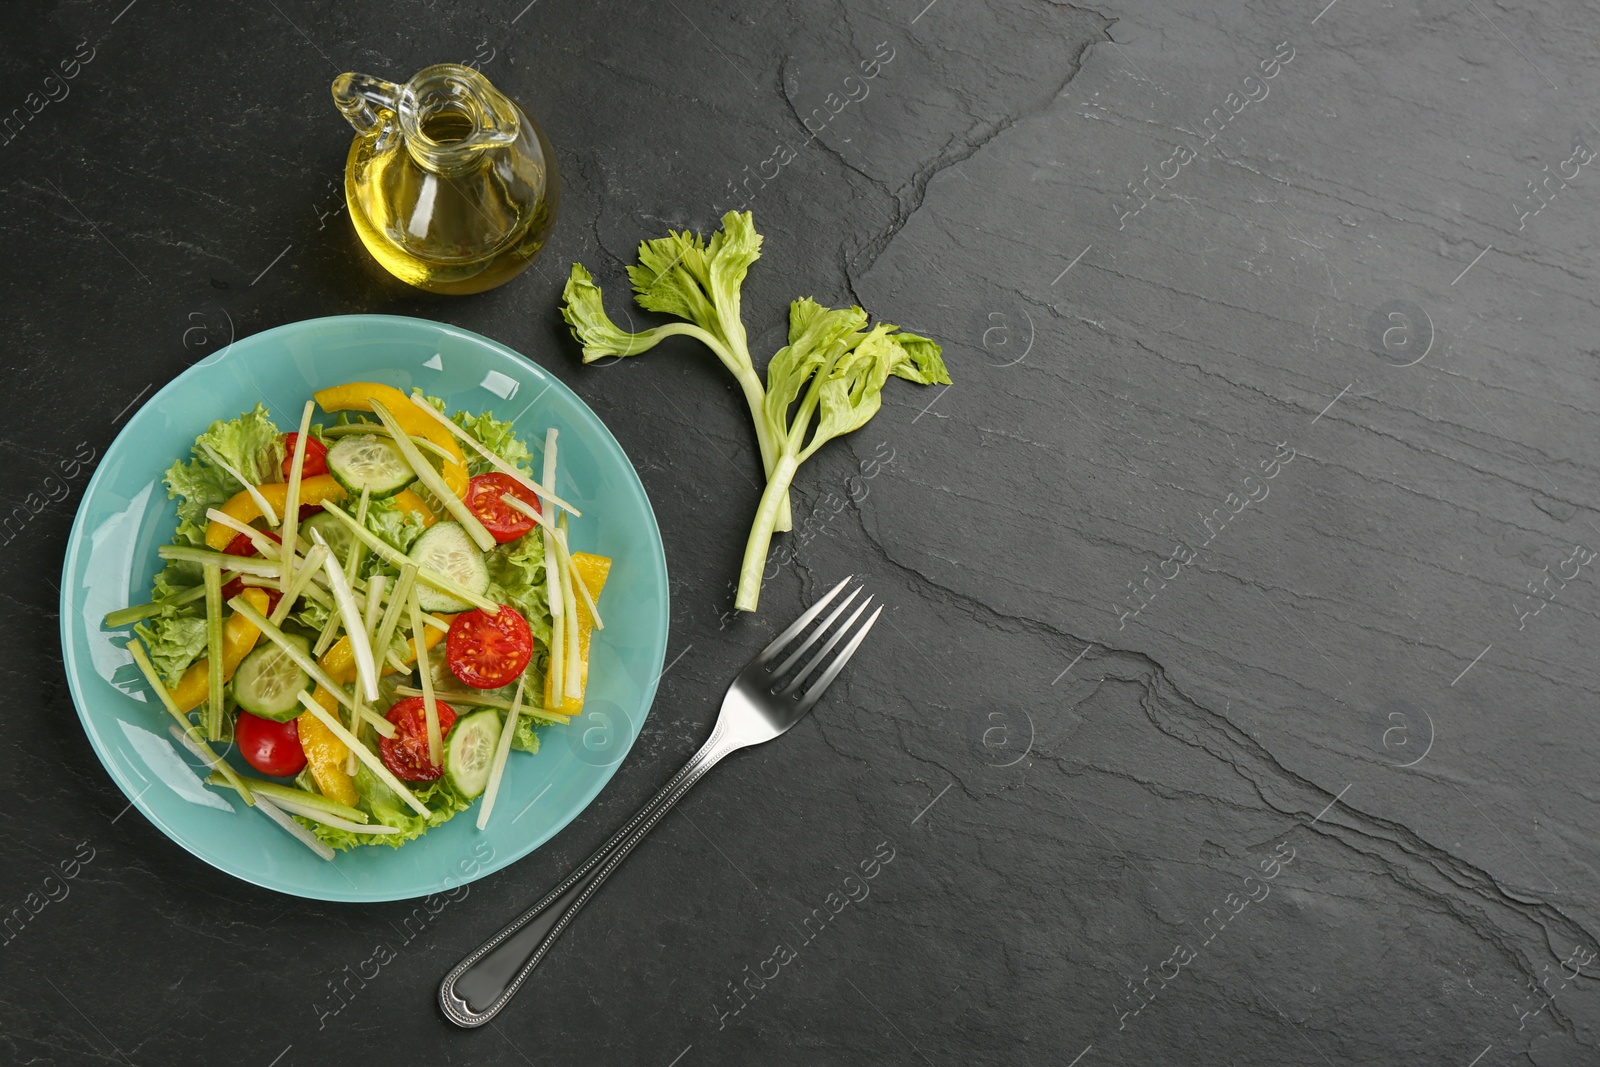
{"points": [[758, 707]]}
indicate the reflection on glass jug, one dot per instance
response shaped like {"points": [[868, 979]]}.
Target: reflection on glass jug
{"points": [[450, 185]]}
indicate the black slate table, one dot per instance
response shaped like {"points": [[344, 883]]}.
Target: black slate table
{"points": [[1235, 702]]}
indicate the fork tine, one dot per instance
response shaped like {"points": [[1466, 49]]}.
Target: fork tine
{"points": [[832, 672], [800, 624], [822, 627], [805, 672]]}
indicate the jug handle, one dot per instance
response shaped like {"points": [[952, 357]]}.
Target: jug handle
{"points": [[361, 98]]}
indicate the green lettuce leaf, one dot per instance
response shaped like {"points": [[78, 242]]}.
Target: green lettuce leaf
{"points": [[498, 437], [250, 443], [517, 577], [523, 738], [399, 528], [173, 641], [386, 807]]}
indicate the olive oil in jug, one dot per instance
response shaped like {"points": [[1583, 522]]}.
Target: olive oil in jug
{"points": [[451, 186]]}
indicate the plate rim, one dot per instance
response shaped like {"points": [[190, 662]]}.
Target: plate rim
{"points": [[68, 615]]}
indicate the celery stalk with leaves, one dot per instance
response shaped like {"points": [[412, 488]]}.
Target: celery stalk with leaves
{"points": [[827, 381]]}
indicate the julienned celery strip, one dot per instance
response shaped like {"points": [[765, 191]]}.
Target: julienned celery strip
{"points": [[249, 487], [291, 501], [142, 661], [126, 616], [495, 461], [293, 651], [395, 558], [553, 584], [369, 627], [430, 706], [399, 597], [213, 584], [502, 749], [374, 764], [314, 806], [354, 631], [294, 829], [265, 568], [330, 629], [483, 700], [569, 612], [302, 582], [433, 480], [289, 793], [566, 552], [378, 429], [262, 543]]}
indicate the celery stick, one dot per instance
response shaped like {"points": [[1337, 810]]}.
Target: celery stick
{"points": [[125, 616], [255, 494], [369, 621], [395, 558], [263, 544], [569, 609], [374, 764], [142, 660], [304, 798], [483, 700], [374, 604], [495, 461], [291, 500], [554, 584], [430, 706], [266, 568], [301, 583], [434, 480], [350, 613], [378, 429], [566, 552], [295, 830], [399, 597], [213, 584], [497, 772]]}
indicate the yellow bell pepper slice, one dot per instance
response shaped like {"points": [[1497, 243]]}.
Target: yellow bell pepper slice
{"points": [[238, 638], [325, 753], [242, 505], [594, 570], [358, 396], [406, 500]]}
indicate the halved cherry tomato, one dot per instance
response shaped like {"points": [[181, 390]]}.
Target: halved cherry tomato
{"points": [[316, 461], [241, 545], [406, 753], [270, 747], [504, 522], [488, 651]]}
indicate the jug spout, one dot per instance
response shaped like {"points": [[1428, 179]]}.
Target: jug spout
{"points": [[360, 98]]}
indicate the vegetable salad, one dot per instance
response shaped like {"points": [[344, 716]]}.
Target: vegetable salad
{"points": [[374, 610]]}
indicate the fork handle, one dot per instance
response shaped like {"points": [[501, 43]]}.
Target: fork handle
{"points": [[485, 981]]}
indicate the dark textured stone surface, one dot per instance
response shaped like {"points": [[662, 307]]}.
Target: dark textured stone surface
{"points": [[1101, 782]]}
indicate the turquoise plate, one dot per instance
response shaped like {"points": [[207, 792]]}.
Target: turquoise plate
{"points": [[125, 516]]}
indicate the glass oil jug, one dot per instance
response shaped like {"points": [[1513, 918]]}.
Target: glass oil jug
{"points": [[450, 185]]}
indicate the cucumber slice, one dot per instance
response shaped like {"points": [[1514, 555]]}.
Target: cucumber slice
{"points": [[469, 752], [369, 462], [336, 533], [446, 548], [268, 682]]}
